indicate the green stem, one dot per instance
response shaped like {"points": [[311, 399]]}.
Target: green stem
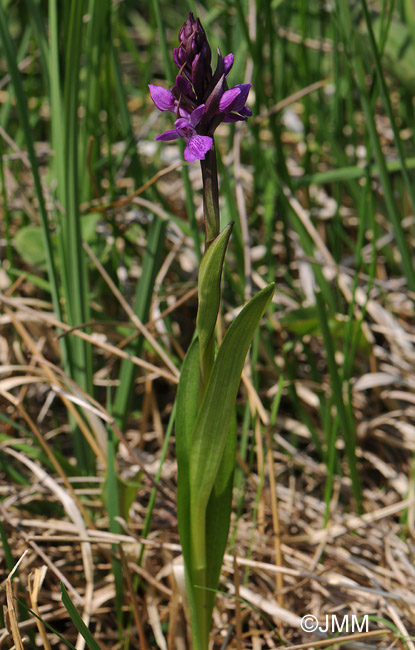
{"points": [[198, 576], [210, 196]]}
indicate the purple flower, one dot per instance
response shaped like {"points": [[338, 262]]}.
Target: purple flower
{"points": [[162, 98], [200, 98], [197, 145], [233, 101]]}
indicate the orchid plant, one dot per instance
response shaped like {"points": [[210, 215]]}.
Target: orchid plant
{"points": [[205, 429]]}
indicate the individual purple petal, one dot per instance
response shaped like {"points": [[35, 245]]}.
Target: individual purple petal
{"points": [[240, 116], [201, 72], [241, 101], [234, 99], [234, 117], [197, 115], [168, 135], [228, 63], [185, 87], [184, 113], [162, 98], [197, 147], [198, 74], [212, 102], [246, 111], [228, 98]]}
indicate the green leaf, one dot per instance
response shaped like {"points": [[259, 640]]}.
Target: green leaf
{"points": [[89, 227], [218, 515], [144, 292], [209, 434], [186, 412], [210, 273], [399, 50], [77, 620], [301, 321], [28, 241], [209, 439], [305, 320]]}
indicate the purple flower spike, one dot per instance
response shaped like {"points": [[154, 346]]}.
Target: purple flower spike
{"points": [[200, 97], [197, 145]]}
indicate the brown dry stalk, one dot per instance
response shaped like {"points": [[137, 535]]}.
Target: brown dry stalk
{"points": [[35, 581], [337, 640], [130, 313], [94, 340], [11, 610]]}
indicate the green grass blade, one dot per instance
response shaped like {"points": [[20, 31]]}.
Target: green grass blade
{"points": [[56, 99], [95, 90], [74, 270], [113, 506], [387, 104], [40, 32], [353, 42], [345, 416], [144, 291], [22, 108], [344, 174], [77, 620], [153, 494]]}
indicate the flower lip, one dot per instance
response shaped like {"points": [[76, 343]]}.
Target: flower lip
{"points": [[197, 147]]}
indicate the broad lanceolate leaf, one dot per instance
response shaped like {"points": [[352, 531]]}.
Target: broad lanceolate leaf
{"points": [[186, 412], [211, 426], [209, 440], [218, 515], [210, 273], [187, 404], [210, 468]]}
